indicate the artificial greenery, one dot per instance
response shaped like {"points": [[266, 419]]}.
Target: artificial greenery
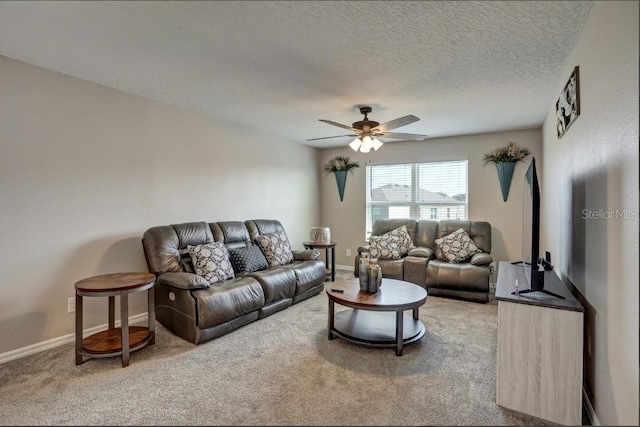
{"points": [[340, 163], [509, 153]]}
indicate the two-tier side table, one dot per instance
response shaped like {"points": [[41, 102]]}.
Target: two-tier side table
{"points": [[331, 273], [115, 341]]}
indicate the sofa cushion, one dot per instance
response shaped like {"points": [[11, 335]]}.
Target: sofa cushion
{"points": [[421, 252], [391, 245], [247, 260], [308, 274], [211, 261], [227, 301], [277, 283], [276, 248], [456, 247], [414, 270], [457, 277], [392, 268]]}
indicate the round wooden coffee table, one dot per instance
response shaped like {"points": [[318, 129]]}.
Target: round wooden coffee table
{"points": [[378, 319], [115, 341]]}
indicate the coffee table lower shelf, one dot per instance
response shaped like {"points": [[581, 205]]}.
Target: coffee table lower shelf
{"points": [[375, 328]]}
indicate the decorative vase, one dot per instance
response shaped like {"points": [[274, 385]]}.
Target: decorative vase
{"points": [[341, 180], [363, 273], [321, 235], [505, 173], [375, 276]]}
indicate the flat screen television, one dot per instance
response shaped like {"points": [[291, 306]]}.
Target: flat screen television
{"points": [[533, 269]]}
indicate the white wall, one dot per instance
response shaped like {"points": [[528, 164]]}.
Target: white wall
{"points": [[594, 166], [85, 170], [347, 218]]}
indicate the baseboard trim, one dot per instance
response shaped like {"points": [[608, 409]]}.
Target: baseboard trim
{"points": [[65, 339], [344, 267], [591, 413]]}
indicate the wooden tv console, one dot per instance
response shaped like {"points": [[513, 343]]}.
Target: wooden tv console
{"points": [[539, 360]]}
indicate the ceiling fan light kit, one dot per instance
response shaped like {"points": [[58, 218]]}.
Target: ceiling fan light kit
{"points": [[368, 131], [355, 144], [365, 144]]}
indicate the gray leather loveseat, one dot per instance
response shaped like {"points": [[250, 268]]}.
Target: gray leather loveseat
{"points": [[192, 308], [425, 267]]}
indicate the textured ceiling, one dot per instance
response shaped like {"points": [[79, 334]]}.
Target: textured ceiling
{"points": [[461, 67]]}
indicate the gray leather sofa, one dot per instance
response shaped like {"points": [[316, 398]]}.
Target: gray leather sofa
{"points": [[191, 308], [467, 280]]}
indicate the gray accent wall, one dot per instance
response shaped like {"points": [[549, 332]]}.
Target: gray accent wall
{"points": [[85, 170], [590, 200]]}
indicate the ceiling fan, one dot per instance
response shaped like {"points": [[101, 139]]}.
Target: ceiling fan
{"points": [[368, 131]]}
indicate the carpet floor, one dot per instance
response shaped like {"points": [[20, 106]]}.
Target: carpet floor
{"points": [[280, 370]]}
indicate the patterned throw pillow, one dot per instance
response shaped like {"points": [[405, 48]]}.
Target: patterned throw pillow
{"points": [[405, 239], [276, 248], [456, 247], [391, 245], [247, 260], [211, 261]]}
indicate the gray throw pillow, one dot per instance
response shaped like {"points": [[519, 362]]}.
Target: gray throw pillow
{"points": [[247, 260]]}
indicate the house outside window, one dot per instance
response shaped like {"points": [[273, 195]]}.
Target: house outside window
{"points": [[433, 190]]}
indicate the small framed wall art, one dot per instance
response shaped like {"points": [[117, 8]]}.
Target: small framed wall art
{"points": [[568, 104]]}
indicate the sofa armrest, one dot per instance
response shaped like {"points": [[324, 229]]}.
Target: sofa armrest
{"points": [[363, 249], [305, 255], [422, 252], [481, 259], [183, 280]]}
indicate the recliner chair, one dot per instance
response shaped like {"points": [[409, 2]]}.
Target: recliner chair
{"points": [[467, 280]]}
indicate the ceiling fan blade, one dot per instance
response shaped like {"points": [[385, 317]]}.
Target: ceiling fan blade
{"points": [[402, 121], [340, 125], [329, 137], [407, 136]]}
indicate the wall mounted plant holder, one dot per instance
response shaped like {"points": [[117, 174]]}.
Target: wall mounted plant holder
{"points": [[341, 180], [505, 174], [505, 159], [340, 165]]}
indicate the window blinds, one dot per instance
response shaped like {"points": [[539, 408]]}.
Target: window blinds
{"points": [[433, 190]]}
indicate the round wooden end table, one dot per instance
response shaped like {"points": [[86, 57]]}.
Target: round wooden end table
{"points": [[377, 319], [115, 341], [331, 273]]}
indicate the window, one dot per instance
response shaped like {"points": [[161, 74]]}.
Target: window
{"points": [[434, 190]]}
